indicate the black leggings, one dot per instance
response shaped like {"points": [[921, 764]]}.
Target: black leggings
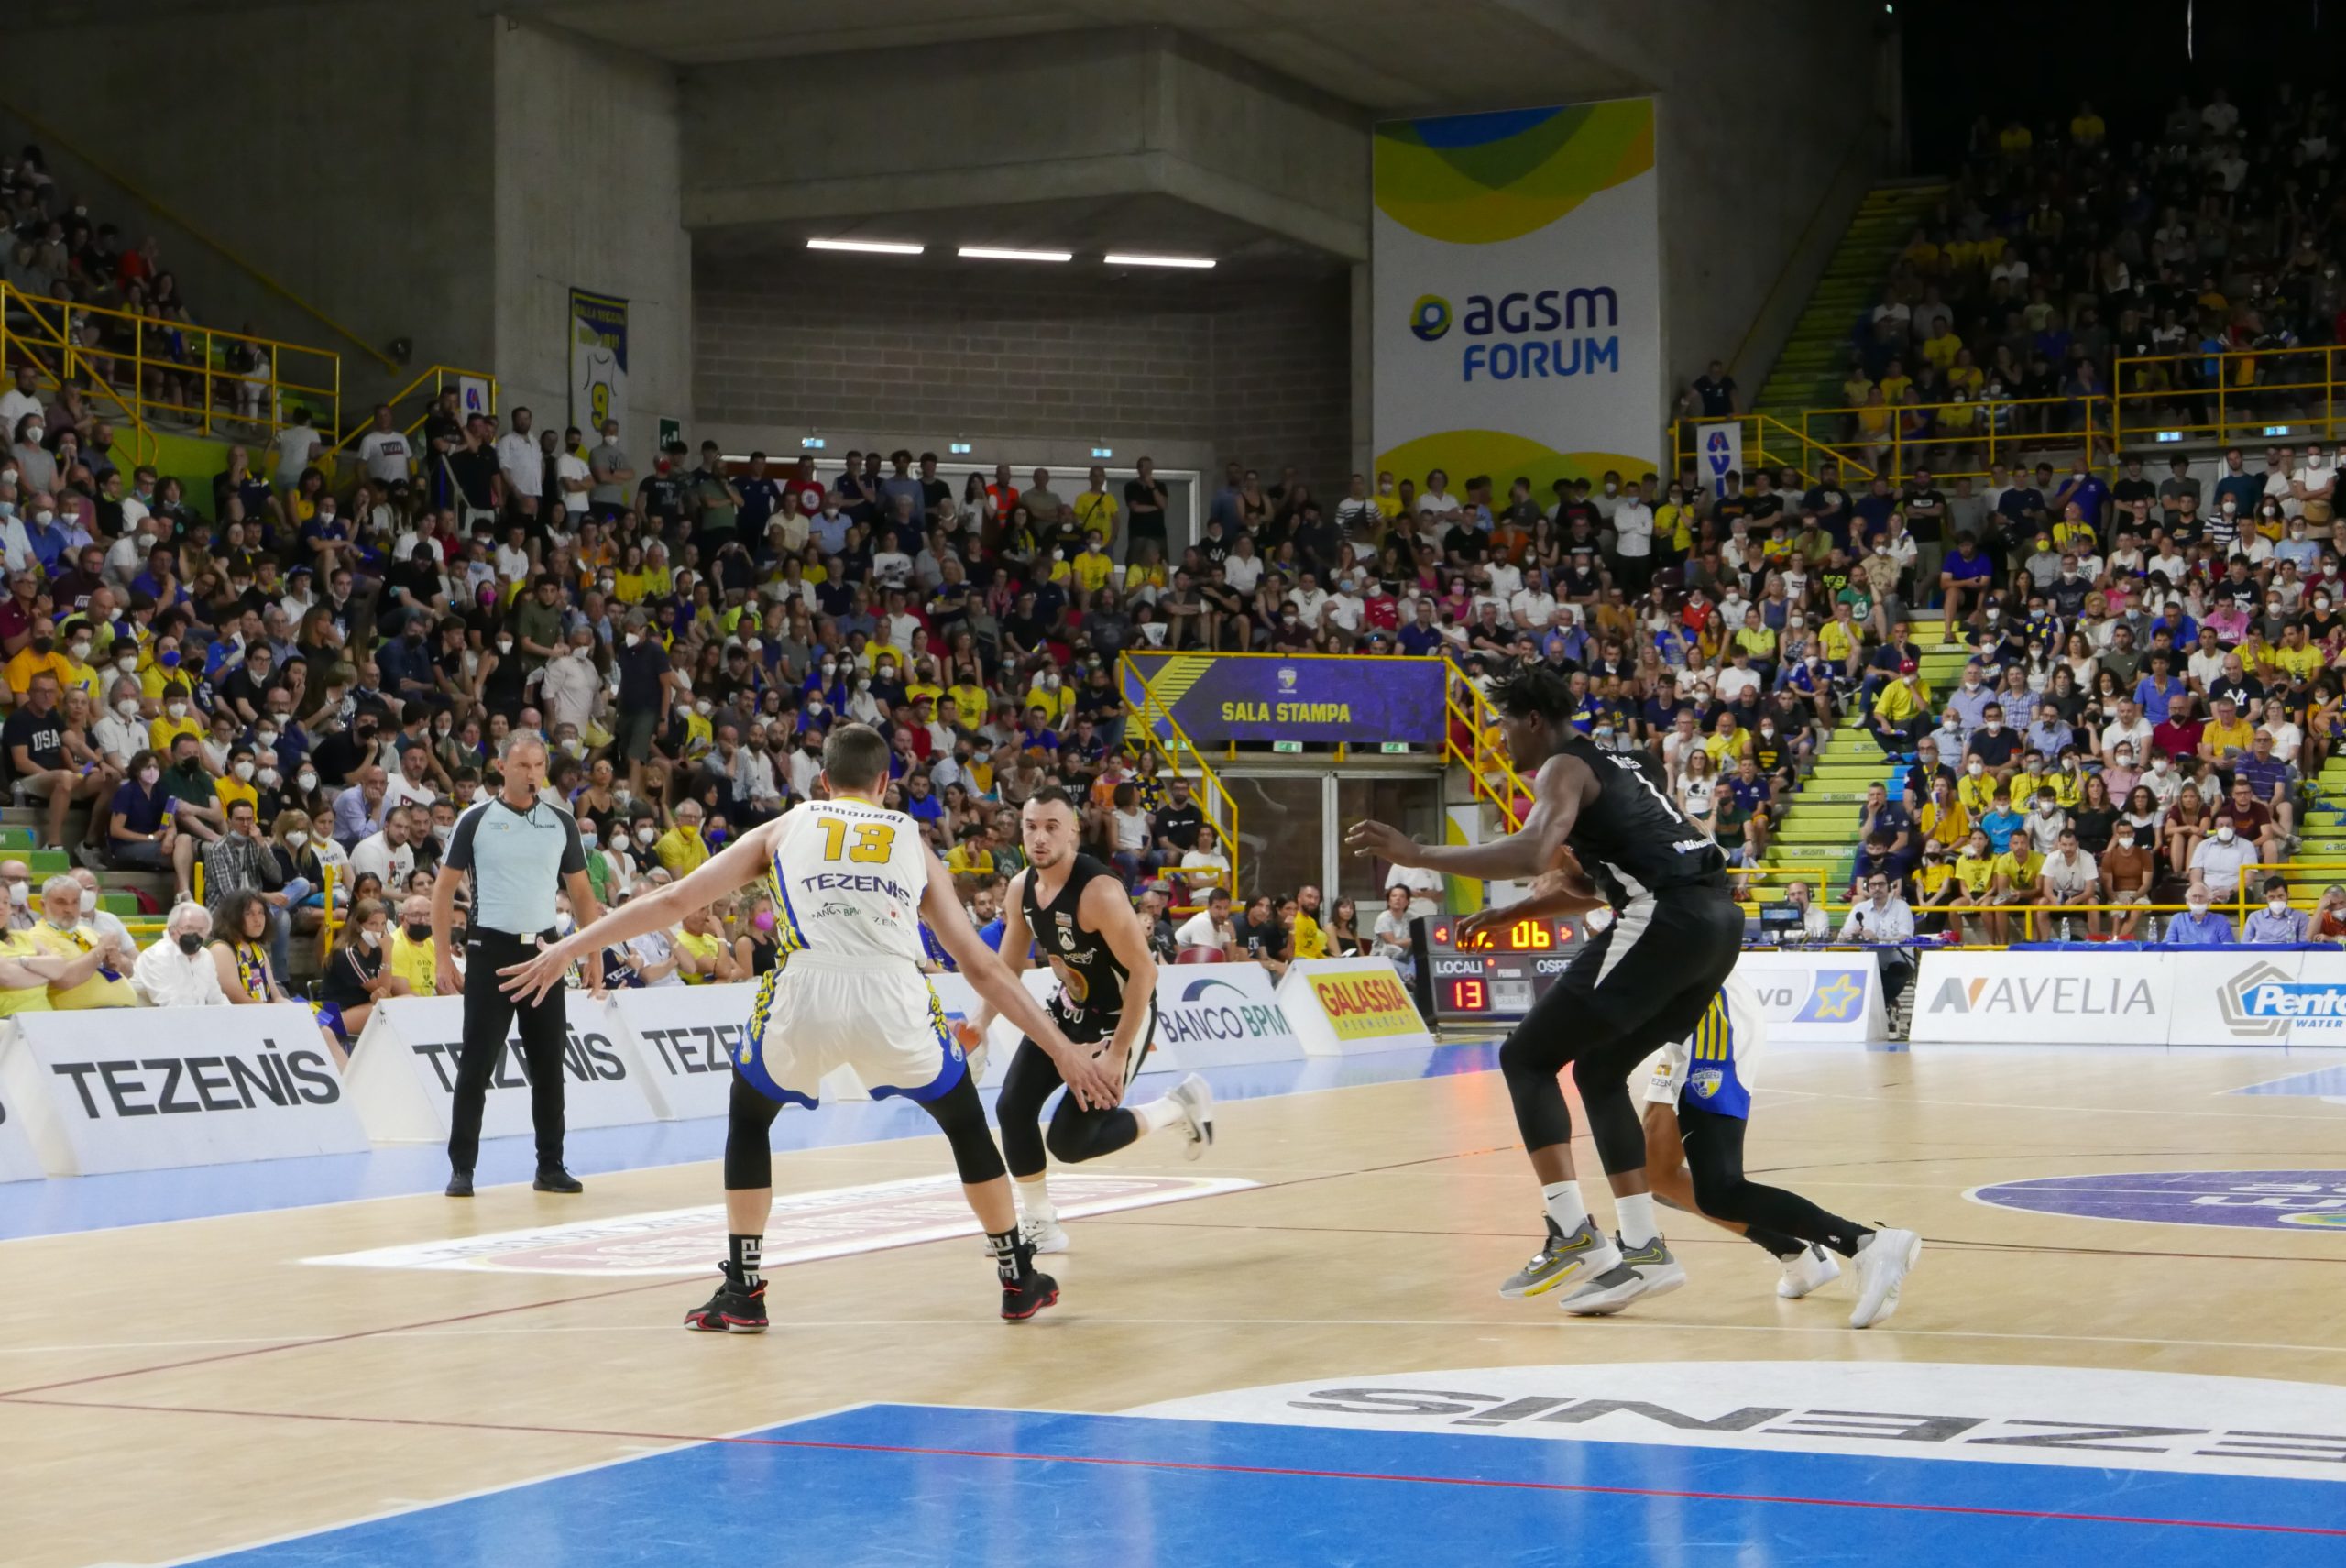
{"points": [[960, 1116], [1644, 983], [1714, 1162], [1076, 1135]]}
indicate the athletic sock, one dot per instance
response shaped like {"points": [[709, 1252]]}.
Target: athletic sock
{"points": [[1564, 1206], [1007, 1261], [1775, 1243], [1034, 1198], [1634, 1212], [1160, 1112], [1846, 1238], [748, 1254]]}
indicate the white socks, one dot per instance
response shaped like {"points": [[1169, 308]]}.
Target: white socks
{"points": [[1564, 1206], [1158, 1114], [1035, 1200], [1634, 1215]]}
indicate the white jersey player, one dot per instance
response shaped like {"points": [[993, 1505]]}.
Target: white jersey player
{"points": [[853, 881]]}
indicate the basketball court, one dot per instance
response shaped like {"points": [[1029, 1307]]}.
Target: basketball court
{"points": [[2122, 1339]]}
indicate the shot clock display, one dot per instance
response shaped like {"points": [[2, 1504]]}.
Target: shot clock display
{"points": [[1492, 976]]}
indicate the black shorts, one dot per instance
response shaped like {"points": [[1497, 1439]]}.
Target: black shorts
{"points": [[1644, 982], [1099, 1029]]}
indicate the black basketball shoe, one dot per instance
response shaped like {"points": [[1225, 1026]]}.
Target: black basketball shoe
{"points": [[733, 1310], [554, 1178]]}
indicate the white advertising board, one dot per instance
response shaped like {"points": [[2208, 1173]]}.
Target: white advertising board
{"points": [[402, 1074], [2180, 996], [1817, 998], [1221, 1016], [106, 1090], [18, 1160]]}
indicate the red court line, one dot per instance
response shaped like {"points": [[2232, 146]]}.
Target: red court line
{"points": [[1113, 1462], [337, 1338]]}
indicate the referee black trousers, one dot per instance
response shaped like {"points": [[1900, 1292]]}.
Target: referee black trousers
{"points": [[490, 1014]]}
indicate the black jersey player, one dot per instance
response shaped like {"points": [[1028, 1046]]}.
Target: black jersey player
{"points": [[1643, 982], [1080, 920]]}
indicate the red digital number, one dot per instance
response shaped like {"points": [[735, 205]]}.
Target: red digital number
{"points": [[1467, 996]]}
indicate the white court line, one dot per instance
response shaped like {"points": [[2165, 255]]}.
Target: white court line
{"points": [[2070, 1109]]}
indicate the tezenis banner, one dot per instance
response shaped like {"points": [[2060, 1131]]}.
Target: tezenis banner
{"points": [[1517, 295], [1221, 697]]}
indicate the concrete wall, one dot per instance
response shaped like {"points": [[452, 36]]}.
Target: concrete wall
{"points": [[1045, 362], [339, 148], [587, 179]]}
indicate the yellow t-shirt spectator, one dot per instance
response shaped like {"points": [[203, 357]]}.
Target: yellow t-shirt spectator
{"points": [[1093, 568], [1056, 705], [31, 999], [95, 992], [1893, 388], [704, 949], [162, 730], [2303, 663], [1836, 641], [413, 961], [2020, 866], [1951, 827], [2237, 736], [1976, 795], [2087, 129], [86, 678], [226, 791], [1895, 702], [1097, 510], [970, 701], [1310, 942], [1977, 873], [1761, 644], [682, 850], [1942, 349], [969, 857], [2015, 140], [21, 669]]}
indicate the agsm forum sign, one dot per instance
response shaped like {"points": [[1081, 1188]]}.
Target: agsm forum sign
{"points": [[1518, 294]]}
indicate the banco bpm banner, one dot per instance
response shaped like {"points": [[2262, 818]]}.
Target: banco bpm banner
{"points": [[1518, 292]]}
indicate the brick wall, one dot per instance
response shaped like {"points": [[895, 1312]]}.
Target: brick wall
{"points": [[1258, 370]]}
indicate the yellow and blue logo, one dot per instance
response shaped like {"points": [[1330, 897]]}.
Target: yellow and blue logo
{"points": [[1429, 317], [1837, 995]]}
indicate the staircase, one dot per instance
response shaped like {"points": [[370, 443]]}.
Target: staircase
{"points": [[1809, 372], [1815, 839]]}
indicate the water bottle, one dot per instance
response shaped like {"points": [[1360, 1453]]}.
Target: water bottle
{"points": [[2149, 929], [2065, 929]]}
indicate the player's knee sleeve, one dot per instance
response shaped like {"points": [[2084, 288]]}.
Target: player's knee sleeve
{"points": [[962, 1117], [1612, 1116], [1076, 1135], [749, 1153], [1018, 1108], [1540, 1114]]}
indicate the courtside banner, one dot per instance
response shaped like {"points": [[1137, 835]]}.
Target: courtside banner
{"points": [[682, 1037], [2258, 996], [402, 1074], [1515, 293], [1215, 698], [2077, 997], [18, 1160], [1344, 1006], [1817, 998], [1221, 1016], [110, 1090]]}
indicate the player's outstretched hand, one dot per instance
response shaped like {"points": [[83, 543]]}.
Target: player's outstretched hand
{"points": [[1088, 1077], [1490, 917], [531, 979], [1375, 841]]}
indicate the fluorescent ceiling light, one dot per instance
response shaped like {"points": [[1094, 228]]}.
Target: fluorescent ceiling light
{"points": [[1119, 258], [876, 246], [995, 253]]}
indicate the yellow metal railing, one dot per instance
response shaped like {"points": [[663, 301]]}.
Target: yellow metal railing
{"points": [[1951, 440], [170, 373], [438, 378], [57, 138], [1180, 754], [2229, 396], [1472, 741], [1769, 443]]}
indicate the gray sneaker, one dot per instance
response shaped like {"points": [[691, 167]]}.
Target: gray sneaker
{"points": [[1661, 1272], [1601, 1295], [1563, 1258]]}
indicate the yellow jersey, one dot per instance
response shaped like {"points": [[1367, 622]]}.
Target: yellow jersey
{"points": [[414, 963], [95, 992]]}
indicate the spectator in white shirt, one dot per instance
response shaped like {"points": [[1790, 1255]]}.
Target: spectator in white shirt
{"points": [[1532, 605], [176, 972], [522, 462], [385, 852], [122, 734], [1425, 885], [1210, 926], [576, 478], [385, 450], [1633, 537], [298, 445], [1883, 916]]}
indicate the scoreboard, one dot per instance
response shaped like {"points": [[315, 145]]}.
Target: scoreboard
{"points": [[1493, 977]]}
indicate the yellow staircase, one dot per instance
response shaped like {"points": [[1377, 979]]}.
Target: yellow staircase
{"points": [[1809, 371]]}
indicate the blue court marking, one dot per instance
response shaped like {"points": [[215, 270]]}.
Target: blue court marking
{"points": [[912, 1484], [2322, 1082], [66, 1204]]}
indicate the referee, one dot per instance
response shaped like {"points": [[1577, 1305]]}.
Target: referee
{"points": [[517, 848]]}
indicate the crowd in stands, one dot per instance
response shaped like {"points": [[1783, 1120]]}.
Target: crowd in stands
{"points": [[2061, 249]]}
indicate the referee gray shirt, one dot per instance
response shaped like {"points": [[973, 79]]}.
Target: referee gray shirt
{"points": [[518, 860]]}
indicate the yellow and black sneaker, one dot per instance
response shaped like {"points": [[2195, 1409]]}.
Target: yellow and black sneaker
{"points": [[1563, 1259]]}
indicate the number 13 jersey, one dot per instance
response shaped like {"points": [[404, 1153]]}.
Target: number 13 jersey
{"points": [[848, 880]]}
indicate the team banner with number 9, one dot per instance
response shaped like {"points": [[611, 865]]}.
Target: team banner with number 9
{"points": [[1216, 698]]}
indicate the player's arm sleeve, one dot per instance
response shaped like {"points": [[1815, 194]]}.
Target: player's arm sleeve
{"points": [[459, 857]]}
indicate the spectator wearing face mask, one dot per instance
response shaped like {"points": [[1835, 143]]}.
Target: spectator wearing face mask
{"points": [[2275, 924], [2218, 862], [2199, 926], [411, 957], [176, 972]]}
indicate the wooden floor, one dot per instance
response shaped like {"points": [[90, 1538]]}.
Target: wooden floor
{"points": [[176, 1389]]}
